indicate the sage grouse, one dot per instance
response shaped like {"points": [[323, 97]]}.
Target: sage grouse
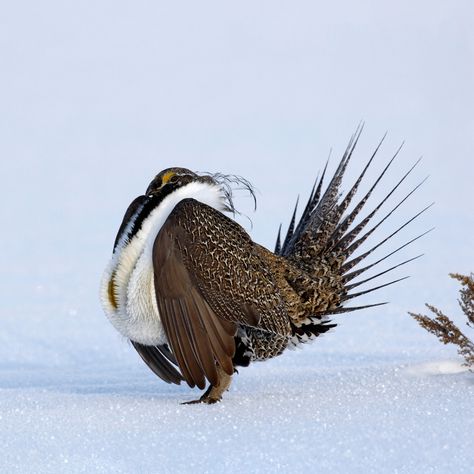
{"points": [[197, 297]]}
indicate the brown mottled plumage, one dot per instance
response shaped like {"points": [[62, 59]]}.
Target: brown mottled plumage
{"points": [[220, 300]]}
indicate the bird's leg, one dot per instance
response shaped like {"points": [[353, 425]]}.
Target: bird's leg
{"points": [[214, 392]]}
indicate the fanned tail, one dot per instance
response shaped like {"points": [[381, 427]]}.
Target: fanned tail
{"points": [[321, 244]]}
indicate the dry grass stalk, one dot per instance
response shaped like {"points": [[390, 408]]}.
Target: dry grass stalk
{"points": [[445, 329]]}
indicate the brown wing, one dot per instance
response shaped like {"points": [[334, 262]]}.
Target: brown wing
{"points": [[209, 278]]}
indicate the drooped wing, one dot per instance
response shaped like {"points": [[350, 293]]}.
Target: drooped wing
{"points": [[210, 277], [160, 360]]}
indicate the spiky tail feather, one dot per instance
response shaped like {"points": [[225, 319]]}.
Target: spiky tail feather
{"points": [[321, 244]]}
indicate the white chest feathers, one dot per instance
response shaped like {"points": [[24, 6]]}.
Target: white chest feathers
{"points": [[127, 288]]}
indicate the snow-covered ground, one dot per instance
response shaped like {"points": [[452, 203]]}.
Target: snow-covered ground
{"points": [[97, 97], [358, 401]]}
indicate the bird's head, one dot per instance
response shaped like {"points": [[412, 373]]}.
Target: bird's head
{"points": [[171, 179]]}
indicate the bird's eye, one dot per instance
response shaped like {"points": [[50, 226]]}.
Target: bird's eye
{"points": [[174, 179]]}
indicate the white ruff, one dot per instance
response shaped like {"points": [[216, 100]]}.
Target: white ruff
{"points": [[136, 316]]}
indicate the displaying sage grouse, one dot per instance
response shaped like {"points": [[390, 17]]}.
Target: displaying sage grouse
{"points": [[197, 297]]}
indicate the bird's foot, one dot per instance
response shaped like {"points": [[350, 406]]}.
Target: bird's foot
{"points": [[214, 392], [206, 397], [203, 399]]}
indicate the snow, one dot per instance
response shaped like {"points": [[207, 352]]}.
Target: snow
{"points": [[99, 97], [332, 410]]}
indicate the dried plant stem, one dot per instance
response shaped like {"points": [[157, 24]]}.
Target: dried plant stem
{"points": [[445, 329]]}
